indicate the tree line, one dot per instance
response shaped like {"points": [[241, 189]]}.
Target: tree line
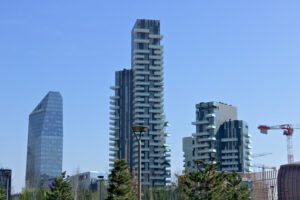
{"points": [[205, 183]]}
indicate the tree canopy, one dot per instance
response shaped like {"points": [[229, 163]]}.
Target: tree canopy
{"points": [[120, 183], [60, 189], [210, 184]]}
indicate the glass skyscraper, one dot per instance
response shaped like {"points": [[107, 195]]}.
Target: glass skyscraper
{"points": [[45, 141]]}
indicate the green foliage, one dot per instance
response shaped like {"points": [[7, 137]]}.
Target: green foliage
{"points": [[61, 189], [120, 184], [208, 184], [2, 194], [27, 194], [160, 193], [30, 194]]}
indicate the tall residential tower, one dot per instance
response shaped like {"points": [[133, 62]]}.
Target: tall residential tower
{"points": [[142, 106], [219, 134], [45, 141]]}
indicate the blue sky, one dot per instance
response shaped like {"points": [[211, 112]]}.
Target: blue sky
{"points": [[245, 53]]}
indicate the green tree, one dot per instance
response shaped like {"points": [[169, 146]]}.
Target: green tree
{"points": [[2, 194], [61, 189], [120, 184], [209, 184], [234, 189]]}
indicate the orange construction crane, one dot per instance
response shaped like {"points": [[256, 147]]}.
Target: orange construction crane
{"points": [[288, 130]]}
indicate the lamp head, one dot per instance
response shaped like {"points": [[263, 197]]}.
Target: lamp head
{"points": [[139, 128]]}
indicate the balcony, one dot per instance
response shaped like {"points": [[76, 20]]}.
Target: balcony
{"points": [[156, 89], [211, 127], [198, 122], [113, 103], [230, 151], [229, 157], [158, 116], [158, 83], [156, 110], [138, 110], [138, 99], [155, 36], [114, 128], [136, 67], [113, 134], [158, 62], [158, 127], [141, 83], [156, 121], [137, 88], [141, 116], [114, 97], [156, 144], [136, 94], [141, 62], [201, 145], [114, 138], [114, 87], [247, 135], [156, 133], [158, 52], [158, 68], [141, 30], [229, 140], [141, 41], [154, 78], [158, 105], [141, 105], [211, 115], [145, 51], [248, 146], [155, 46], [203, 133], [135, 57], [208, 150], [160, 94], [158, 73], [206, 139], [114, 118], [138, 78], [156, 99], [138, 72], [155, 57], [114, 107], [113, 113], [138, 121]]}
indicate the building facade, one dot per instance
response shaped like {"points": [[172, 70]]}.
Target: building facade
{"points": [[5, 181], [219, 134], [234, 146], [187, 147], [144, 105], [45, 141], [121, 117]]}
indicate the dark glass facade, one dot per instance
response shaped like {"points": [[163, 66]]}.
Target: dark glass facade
{"points": [[5, 181], [45, 141]]}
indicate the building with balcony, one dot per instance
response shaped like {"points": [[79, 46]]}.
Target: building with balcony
{"points": [[219, 134], [45, 141], [138, 101], [5, 181]]}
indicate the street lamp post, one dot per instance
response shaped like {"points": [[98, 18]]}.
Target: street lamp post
{"points": [[140, 130], [100, 178]]}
